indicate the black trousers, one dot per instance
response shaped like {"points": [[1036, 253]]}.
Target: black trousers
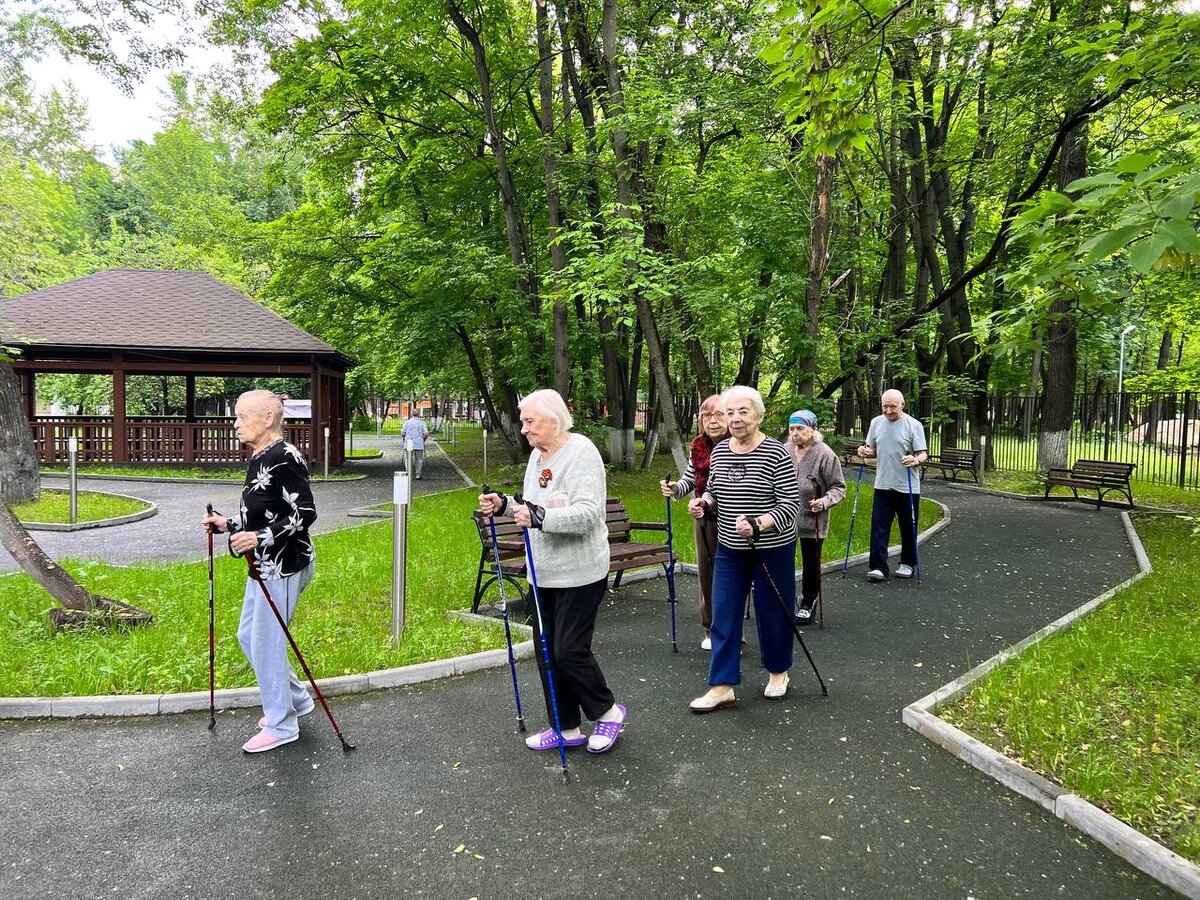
{"points": [[886, 506], [570, 617], [810, 575]]}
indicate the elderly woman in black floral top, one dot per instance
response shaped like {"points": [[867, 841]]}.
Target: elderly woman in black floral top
{"points": [[272, 525]]}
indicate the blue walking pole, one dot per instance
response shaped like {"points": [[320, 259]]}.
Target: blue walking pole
{"points": [[537, 606], [912, 511], [853, 516], [512, 660], [671, 567]]}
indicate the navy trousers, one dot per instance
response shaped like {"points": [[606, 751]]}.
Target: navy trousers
{"points": [[889, 506], [734, 572]]}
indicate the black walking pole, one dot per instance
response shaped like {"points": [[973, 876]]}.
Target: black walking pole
{"points": [[537, 606], [817, 495], [212, 670], [254, 573], [512, 660], [912, 511], [783, 605], [671, 567], [853, 516]]}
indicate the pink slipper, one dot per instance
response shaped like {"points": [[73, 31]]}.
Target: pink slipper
{"points": [[264, 741]]}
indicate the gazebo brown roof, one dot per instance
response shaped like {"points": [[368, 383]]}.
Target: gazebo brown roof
{"points": [[134, 321]]}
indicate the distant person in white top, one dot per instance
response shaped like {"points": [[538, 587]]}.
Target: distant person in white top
{"points": [[414, 430], [565, 502], [896, 441]]}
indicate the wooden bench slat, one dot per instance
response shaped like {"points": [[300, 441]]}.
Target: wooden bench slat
{"points": [[953, 460], [625, 554], [1102, 476]]}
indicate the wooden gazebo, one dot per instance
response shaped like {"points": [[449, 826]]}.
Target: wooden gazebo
{"points": [[126, 322]]}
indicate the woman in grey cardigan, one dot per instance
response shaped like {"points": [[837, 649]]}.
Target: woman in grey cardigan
{"points": [[819, 472], [565, 494]]}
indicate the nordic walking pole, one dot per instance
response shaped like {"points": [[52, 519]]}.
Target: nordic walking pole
{"points": [[820, 568], [783, 605], [912, 511], [254, 573], [537, 606], [212, 670], [671, 566], [853, 516], [512, 660]]}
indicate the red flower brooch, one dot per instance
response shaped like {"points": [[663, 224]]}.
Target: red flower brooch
{"points": [[544, 478]]}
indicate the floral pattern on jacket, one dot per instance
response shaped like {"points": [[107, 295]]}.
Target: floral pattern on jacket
{"points": [[277, 504]]}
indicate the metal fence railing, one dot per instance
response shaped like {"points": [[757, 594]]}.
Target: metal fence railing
{"points": [[1157, 431]]}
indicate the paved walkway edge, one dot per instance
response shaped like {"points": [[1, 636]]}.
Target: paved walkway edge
{"points": [[234, 698], [1137, 849], [239, 698]]}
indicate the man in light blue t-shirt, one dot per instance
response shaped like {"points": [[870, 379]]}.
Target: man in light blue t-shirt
{"points": [[896, 441], [414, 430]]}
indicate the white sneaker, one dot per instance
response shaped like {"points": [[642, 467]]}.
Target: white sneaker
{"points": [[904, 572], [706, 644], [876, 575]]}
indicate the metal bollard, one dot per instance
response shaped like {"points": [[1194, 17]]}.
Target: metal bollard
{"points": [[401, 490], [351, 438], [73, 481], [326, 452], [485, 434]]}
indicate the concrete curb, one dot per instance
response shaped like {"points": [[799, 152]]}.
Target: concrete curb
{"points": [[150, 510], [114, 705], [1140, 851]]}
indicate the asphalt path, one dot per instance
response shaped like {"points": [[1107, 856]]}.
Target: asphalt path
{"points": [[808, 796]]}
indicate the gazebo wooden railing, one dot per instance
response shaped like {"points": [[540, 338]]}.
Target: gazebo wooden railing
{"points": [[152, 439]]}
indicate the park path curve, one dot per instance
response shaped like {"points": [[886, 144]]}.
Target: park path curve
{"points": [[810, 796]]}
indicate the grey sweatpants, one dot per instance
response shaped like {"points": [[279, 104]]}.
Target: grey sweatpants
{"points": [[266, 646]]}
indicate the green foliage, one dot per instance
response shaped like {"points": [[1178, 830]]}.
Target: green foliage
{"points": [[1109, 708]]}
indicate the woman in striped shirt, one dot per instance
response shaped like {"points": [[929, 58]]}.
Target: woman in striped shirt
{"points": [[753, 494]]}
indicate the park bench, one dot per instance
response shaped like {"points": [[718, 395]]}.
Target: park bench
{"points": [[951, 461], [850, 452], [1092, 475], [625, 553]]}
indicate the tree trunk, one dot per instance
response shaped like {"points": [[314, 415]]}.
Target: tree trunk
{"points": [[818, 262], [1062, 358], [624, 182], [554, 217], [18, 484]]}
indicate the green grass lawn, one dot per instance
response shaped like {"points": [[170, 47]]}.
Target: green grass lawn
{"points": [[55, 507], [344, 622], [1110, 708]]}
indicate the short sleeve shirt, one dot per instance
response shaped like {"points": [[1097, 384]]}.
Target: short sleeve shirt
{"points": [[891, 441]]}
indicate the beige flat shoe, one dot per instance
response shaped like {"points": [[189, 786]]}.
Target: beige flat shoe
{"points": [[707, 704], [777, 691]]}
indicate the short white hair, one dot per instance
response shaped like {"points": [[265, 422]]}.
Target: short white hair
{"points": [[548, 404], [894, 393], [741, 390]]}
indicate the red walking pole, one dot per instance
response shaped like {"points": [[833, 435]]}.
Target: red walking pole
{"points": [[212, 672]]}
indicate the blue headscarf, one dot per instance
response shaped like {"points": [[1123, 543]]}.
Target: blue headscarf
{"points": [[803, 417]]}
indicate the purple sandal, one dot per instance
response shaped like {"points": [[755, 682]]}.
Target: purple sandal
{"points": [[609, 730], [548, 740]]}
